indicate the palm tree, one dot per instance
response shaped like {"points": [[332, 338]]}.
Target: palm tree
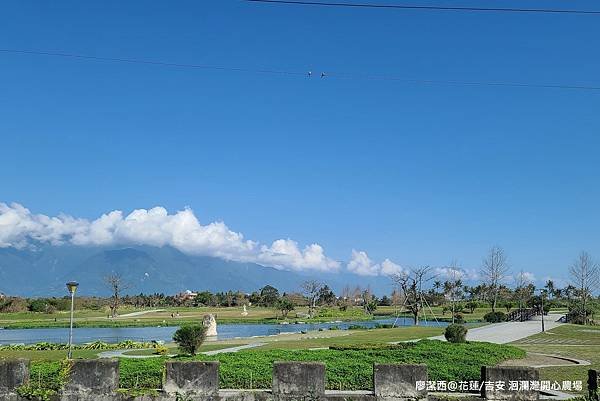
{"points": [[550, 287]]}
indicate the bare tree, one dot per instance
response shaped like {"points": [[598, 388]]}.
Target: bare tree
{"points": [[411, 286], [310, 289], [117, 285], [494, 271], [522, 289], [585, 277]]}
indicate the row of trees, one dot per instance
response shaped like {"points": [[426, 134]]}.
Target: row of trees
{"points": [[420, 288]]}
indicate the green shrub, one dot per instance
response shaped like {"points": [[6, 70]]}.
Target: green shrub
{"points": [[495, 317], [456, 333], [357, 327], [190, 338], [459, 318]]}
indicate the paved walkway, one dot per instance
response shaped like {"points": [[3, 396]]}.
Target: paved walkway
{"points": [[121, 353], [134, 314], [502, 333]]}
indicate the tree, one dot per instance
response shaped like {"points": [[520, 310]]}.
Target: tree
{"points": [[369, 302], [204, 298], [523, 289], [385, 301], [411, 285], [453, 287], [584, 275], [285, 306], [190, 338], [472, 305], [326, 296], [494, 271], [311, 289], [117, 285], [269, 296]]}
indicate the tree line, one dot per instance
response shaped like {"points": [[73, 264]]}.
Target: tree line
{"points": [[416, 291]]}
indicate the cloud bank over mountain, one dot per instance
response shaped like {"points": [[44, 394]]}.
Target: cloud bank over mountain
{"points": [[182, 230]]}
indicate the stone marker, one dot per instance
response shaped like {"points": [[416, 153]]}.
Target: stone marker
{"points": [[507, 374], [192, 377], [298, 379], [210, 323], [391, 381], [13, 374], [95, 376], [592, 384]]}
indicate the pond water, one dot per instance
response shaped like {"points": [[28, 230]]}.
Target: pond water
{"points": [[226, 331]]}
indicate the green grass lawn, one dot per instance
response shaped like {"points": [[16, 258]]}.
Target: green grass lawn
{"points": [[580, 342], [352, 337]]}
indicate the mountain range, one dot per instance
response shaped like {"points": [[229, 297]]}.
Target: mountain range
{"points": [[44, 270]]}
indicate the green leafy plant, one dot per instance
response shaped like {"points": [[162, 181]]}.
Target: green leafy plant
{"points": [[47, 379], [161, 350]]}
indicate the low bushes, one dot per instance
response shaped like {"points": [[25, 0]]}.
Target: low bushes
{"points": [[495, 317], [349, 367]]}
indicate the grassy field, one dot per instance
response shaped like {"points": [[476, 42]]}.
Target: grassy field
{"points": [[169, 317], [164, 316], [574, 341]]}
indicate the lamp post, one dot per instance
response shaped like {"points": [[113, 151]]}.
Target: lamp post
{"points": [[72, 287], [542, 292]]}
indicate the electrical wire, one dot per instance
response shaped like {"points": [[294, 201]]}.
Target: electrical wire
{"points": [[308, 74], [426, 7]]}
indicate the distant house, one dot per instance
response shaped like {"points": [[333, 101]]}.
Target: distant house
{"points": [[187, 295]]}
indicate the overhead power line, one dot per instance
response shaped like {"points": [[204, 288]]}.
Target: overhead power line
{"points": [[427, 7], [151, 62], [324, 75]]}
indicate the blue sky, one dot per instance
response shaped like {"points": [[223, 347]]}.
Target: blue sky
{"points": [[419, 174]]}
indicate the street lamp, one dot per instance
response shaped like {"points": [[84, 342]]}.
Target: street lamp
{"points": [[542, 293], [72, 287]]}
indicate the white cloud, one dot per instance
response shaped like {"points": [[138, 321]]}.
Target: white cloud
{"points": [[389, 268], [524, 278], [361, 264], [457, 273], [156, 227]]}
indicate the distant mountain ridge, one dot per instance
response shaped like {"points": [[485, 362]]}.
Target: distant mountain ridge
{"points": [[45, 270]]}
